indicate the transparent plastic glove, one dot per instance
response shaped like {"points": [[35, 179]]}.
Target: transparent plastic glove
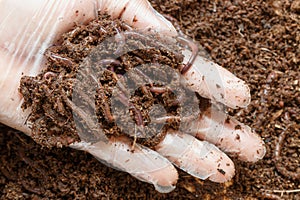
{"points": [[27, 28]]}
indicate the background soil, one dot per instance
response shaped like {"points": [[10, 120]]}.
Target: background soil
{"points": [[257, 40]]}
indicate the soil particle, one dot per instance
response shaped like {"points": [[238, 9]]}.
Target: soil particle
{"points": [[252, 39], [237, 127]]}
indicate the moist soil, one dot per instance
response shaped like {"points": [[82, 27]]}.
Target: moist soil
{"points": [[256, 40], [107, 72], [97, 75]]}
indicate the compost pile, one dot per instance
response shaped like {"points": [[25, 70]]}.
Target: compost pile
{"points": [[256, 40]]}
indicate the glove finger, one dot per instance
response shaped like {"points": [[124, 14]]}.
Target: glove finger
{"points": [[216, 83], [141, 162], [229, 135], [200, 159], [11, 113]]}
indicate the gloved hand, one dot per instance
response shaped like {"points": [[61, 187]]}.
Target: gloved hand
{"points": [[27, 28]]}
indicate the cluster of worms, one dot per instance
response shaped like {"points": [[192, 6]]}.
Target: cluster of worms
{"points": [[113, 71], [72, 65]]}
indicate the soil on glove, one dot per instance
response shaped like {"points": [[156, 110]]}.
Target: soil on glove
{"points": [[107, 72], [256, 40]]}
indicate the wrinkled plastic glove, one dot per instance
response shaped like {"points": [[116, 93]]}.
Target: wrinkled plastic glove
{"points": [[27, 28]]}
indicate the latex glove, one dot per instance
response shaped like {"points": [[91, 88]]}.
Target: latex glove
{"points": [[27, 28]]}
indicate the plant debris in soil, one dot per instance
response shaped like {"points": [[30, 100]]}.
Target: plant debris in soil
{"points": [[256, 40]]}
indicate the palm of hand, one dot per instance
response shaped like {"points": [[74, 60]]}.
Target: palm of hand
{"points": [[21, 53]]}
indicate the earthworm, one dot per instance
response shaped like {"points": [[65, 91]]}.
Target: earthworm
{"points": [[109, 61], [59, 106], [165, 118], [138, 115], [158, 90], [64, 61], [278, 165], [120, 82], [193, 57], [86, 117], [124, 100], [49, 75], [109, 117], [106, 108]]}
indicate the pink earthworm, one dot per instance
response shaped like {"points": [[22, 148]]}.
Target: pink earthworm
{"points": [[109, 61], [158, 90], [49, 75], [195, 51], [278, 165], [138, 115]]}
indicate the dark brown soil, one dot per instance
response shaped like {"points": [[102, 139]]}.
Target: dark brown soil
{"points": [[256, 40]]}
